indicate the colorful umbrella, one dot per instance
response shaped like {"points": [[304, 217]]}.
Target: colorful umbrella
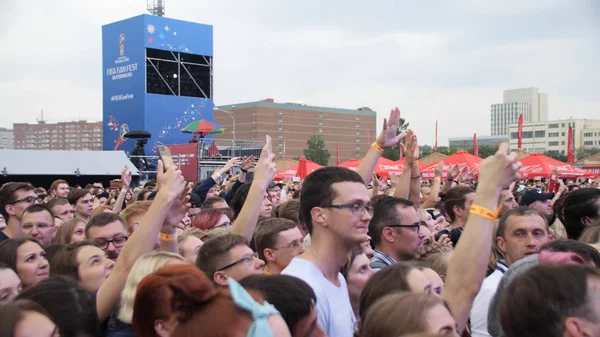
{"points": [[201, 127], [538, 165], [460, 158]]}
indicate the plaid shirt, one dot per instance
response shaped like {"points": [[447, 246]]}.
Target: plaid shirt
{"points": [[381, 260]]}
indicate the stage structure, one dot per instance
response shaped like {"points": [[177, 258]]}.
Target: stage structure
{"points": [[157, 77]]}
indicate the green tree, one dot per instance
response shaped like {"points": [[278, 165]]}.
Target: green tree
{"points": [[425, 150], [556, 155], [393, 153], [316, 150], [485, 150], [584, 152]]}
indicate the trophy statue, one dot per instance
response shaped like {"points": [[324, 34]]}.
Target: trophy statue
{"points": [[122, 44]]}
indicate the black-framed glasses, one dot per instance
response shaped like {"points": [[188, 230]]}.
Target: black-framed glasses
{"points": [[416, 227], [118, 242], [246, 259], [30, 199], [356, 209]]}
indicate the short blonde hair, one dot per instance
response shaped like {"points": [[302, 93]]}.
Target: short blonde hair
{"points": [[144, 266], [100, 209], [133, 210], [199, 233]]}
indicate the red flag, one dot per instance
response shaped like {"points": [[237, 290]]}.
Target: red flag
{"points": [[399, 151], [338, 154], [520, 132], [436, 137], [475, 146], [368, 136], [570, 146]]}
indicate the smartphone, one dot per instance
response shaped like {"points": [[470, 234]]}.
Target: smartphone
{"points": [[268, 139], [116, 184], [165, 155], [442, 232]]}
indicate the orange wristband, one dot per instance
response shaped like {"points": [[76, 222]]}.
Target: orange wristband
{"points": [[377, 147], [484, 212], [167, 237]]}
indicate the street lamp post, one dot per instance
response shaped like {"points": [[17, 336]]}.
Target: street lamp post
{"points": [[233, 120]]}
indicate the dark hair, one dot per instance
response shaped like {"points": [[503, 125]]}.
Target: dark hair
{"points": [[266, 232], [292, 297], [64, 261], [76, 194], [213, 252], [37, 208], [102, 220], [151, 184], [12, 313], [385, 213], [587, 252], [290, 210], [317, 189], [7, 195], [579, 204], [67, 303], [239, 199], [141, 196], [456, 197], [517, 211], [388, 280], [209, 202], [8, 251], [537, 302]]}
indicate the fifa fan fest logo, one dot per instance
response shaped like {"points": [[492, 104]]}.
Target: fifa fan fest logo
{"points": [[122, 44]]}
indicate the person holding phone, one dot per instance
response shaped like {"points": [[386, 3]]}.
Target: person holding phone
{"points": [[207, 187]]}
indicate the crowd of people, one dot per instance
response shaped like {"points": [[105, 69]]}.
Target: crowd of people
{"points": [[341, 253]]}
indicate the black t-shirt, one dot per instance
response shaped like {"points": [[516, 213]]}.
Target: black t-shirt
{"points": [[3, 237]]}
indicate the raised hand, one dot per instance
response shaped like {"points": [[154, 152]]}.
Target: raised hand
{"points": [[233, 162], [126, 177], [497, 172], [411, 148], [375, 182], [247, 163], [265, 169], [177, 211], [171, 181], [388, 138], [393, 179], [439, 168], [453, 172]]}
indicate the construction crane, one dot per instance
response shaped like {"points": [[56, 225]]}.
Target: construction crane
{"points": [[156, 7]]}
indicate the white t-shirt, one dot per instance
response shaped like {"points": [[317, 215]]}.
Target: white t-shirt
{"points": [[334, 311], [481, 305]]}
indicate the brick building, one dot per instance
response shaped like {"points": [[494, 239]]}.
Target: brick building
{"points": [[290, 125], [80, 135]]}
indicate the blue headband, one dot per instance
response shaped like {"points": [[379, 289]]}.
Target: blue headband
{"points": [[260, 312]]}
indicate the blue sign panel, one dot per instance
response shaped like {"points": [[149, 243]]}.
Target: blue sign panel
{"points": [[126, 103]]}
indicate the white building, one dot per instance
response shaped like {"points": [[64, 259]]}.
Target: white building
{"points": [[6, 138], [528, 101], [551, 136]]}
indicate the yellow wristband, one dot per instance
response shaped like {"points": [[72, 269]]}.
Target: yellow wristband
{"points": [[437, 178], [484, 212], [167, 237], [417, 162], [377, 147]]}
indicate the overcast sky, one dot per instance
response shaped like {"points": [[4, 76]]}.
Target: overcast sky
{"points": [[448, 62]]}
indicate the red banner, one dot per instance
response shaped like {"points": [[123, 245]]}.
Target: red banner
{"points": [[187, 161], [475, 146], [520, 132], [570, 147], [435, 147]]}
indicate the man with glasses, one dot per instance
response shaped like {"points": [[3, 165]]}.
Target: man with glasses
{"points": [[227, 256], [277, 242], [15, 197], [335, 206], [108, 231], [37, 222], [394, 232]]}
